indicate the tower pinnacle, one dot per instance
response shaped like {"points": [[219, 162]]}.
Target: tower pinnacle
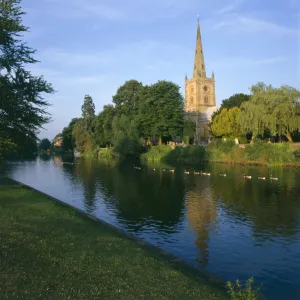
{"points": [[199, 65]]}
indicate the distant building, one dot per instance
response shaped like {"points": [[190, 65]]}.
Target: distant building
{"points": [[200, 96], [58, 141]]}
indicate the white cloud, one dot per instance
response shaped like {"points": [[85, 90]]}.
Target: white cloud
{"points": [[236, 23]]}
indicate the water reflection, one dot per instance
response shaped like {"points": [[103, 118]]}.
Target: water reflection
{"points": [[231, 226]]}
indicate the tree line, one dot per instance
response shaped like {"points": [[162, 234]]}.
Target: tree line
{"points": [[268, 112], [140, 115]]}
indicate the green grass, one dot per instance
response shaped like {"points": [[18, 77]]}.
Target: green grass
{"points": [[259, 153], [48, 251]]}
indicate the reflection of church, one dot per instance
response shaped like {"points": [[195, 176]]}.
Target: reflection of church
{"points": [[201, 213], [200, 96]]}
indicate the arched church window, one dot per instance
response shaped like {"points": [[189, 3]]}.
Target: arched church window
{"points": [[205, 99], [205, 89]]}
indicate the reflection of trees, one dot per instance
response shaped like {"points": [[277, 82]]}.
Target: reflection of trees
{"points": [[201, 214], [85, 171], [272, 206], [140, 196]]}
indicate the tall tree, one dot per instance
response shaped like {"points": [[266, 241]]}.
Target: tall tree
{"points": [[161, 112], [88, 107], [226, 123], [22, 106], [88, 112], [235, 100], [83, 138], [271, 109], [127, 98]]}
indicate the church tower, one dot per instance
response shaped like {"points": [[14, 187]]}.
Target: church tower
{"points": [[200, 97], [200, 90]]}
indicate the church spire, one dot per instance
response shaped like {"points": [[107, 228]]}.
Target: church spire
{"points": [[199, 66]]}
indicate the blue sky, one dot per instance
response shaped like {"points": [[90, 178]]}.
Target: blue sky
{"points": [[94, 46]]}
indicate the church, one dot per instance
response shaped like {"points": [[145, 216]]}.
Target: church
{"points": [[200, 96]]}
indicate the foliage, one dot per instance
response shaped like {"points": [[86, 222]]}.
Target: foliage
{"points": [[22, 107], [273, 109], [125, 136], [128, 97], [161, 111], [103, 133], [6, 146], [44, 145], [83, 129], [225, 124], [234, 101], [297, 154], [106, 153], [270, 154], [83, 137], [238, 292], [88, 107], [156, 153], [220, 150], [68, 138]]}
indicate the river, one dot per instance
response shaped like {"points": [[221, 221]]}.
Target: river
{"points": [[231, 226]]}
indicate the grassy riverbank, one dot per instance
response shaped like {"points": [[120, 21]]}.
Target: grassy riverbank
{"points": [[52, 252], [259, 153]]}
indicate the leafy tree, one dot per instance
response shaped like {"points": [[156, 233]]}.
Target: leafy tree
{"points": [[88, 111], [44, 145], [161, 112], [83, 138], [103, 125], [273, 109], [83, 129], [235, 100], [125, 135], [128, 97], [22, 107], [68, 138], [226, 123]]}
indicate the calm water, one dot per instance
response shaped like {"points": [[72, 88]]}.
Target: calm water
{"points": [[232, 227]]}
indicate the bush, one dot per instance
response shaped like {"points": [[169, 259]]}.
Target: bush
{"points": [[156, 153], [106, 153], [191, 154], [220, 150], [297, 154], [269, 154], [237, 292]]}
